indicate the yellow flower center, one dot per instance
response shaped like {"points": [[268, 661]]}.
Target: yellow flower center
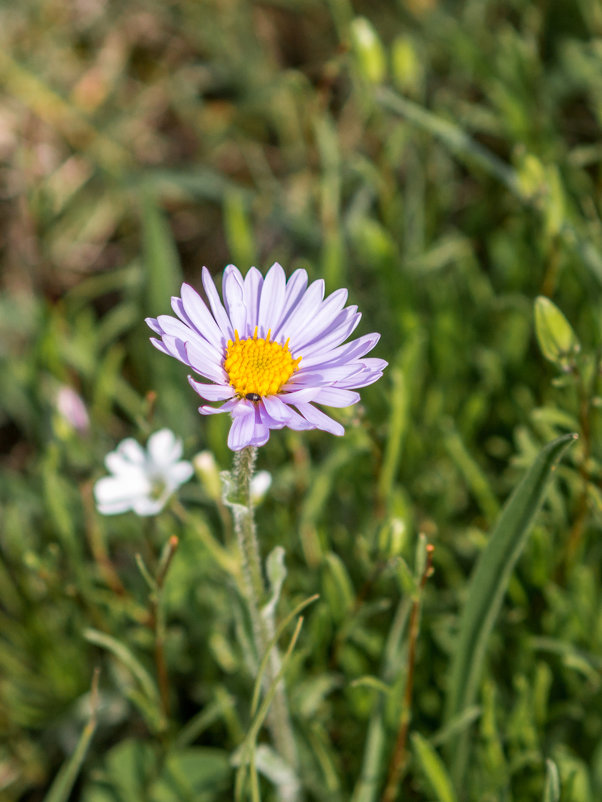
{"points": [[258, 367]]}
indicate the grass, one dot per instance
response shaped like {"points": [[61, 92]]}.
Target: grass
{"points": [[442, 161]]}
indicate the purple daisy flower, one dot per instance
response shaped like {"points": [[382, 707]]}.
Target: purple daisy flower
{"points": [[271, 351]]}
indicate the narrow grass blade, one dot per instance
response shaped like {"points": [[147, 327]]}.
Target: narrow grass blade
{"points": [[488, 585], [433, 769], [248, 747], [123, 654], [452, 136], [164, 278], [472, 473], [552, 789], [160, 257], [403, 378], [377, 741], [64, 780]]}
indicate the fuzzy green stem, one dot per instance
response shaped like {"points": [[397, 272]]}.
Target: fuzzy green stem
{"points": [[244, 522], [278, 718]]}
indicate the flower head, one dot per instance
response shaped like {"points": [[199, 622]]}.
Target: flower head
{"points": [[141, 480], [270, 351]]}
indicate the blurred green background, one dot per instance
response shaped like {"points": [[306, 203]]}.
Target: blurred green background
{"points": [[443, 161]]}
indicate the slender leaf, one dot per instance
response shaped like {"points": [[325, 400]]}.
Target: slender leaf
{"points": [[434, 769], [164, 279], [160, 257], [488, 586], [552, 788], [124, 655], [64, 780]]}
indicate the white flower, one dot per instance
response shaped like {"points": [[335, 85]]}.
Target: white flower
{"points": [[141, 480]]}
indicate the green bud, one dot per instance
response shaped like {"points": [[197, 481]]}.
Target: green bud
{"points": [[208, 472], [392, 538], [408, 73], [556, 338], [369, 50]]}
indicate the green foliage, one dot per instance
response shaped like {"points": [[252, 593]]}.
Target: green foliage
{"points": [[488, 584], [442, 162]]}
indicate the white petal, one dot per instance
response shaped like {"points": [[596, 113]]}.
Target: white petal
{"points": [[146, 505], [302, 314], [176, 348], [179, 473], [201, 317], [276, 409], [212, 392], [227, 407], [319, 377], [127, 454], [334, 397], [242, 430], [164, 448], [203, 362], [343, 354], [295, 289], [327, 314], [232, 291], [123, 489], [319, 419], [160, 346], [217, 308], [114, 507], [302, 394], [272, 299], [345, 324], [176, 328], [252, 294]]}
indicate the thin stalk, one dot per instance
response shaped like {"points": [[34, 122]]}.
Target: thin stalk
{"points": [[220, 554], [278, 718], [158, 620], [585, 396], [398, 758]]}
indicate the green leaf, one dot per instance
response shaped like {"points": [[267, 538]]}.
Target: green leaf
{"points": [[488, 586], [133, 771], [337, 587], [160, 257], [239, 232], [552, 789], [196, 774], [434, 770], [60, 789], [276, 572], [164, 279], [125, 656], [556, 338]]}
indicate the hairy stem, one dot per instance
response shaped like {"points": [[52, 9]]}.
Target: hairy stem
{"points": [[263, 626]]}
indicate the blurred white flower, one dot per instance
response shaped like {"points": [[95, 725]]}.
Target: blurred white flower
{"points": [[142, 480], [72, 409], [260, 485]]}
